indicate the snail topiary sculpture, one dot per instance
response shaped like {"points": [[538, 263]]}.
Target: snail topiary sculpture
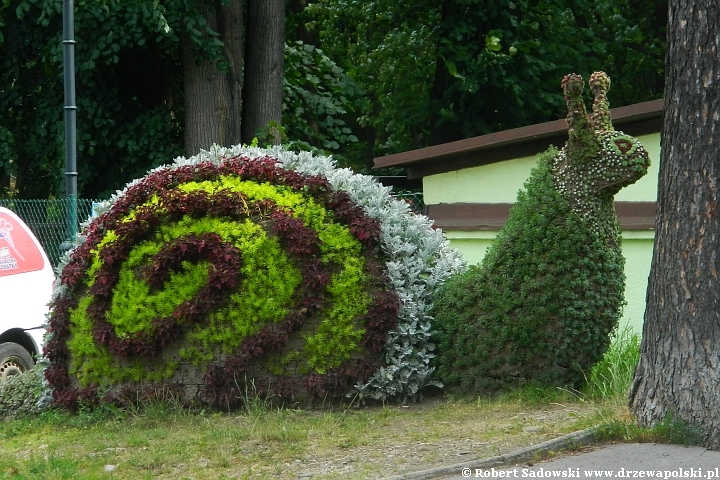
{"points": [[549, 292], [243, 270]]}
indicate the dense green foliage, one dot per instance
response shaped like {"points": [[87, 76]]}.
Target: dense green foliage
{"points": [[441, 70], [126, 124], [318, 99], [414, 73], [612, 376], [365, 78], [417, 73], [22, 394], [549, 292], [130, 99], [388, 48], [540, 305], [498, 64]]}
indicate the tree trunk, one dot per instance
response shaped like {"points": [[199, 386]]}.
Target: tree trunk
{"points": [[264, 61], [679, 369], [213, 98]]}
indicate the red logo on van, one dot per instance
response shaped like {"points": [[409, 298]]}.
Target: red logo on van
{"points": [[19, 252]]}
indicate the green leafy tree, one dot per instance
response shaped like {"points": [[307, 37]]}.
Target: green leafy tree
{"points": [[125, 123], [441, 70], [388, 49], [495, 62], [319, 99], [394, 76], [676, 377], [150, 78]]}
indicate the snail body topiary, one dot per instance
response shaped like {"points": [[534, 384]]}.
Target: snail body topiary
{"points": [[544, 301]]}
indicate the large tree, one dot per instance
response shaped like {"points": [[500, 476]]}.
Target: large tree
{"points": [[157, 79], [238, 88], [679, 370], [264, 68], [388, 48], [154, 80], [497, 62], [440, 70], [126, 123], [213, 90]]}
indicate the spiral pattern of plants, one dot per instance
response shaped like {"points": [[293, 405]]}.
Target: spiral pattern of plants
{"points": [[216, 278]]}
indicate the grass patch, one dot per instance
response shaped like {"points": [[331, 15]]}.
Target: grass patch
{"points": [[163, 440], [671, 430], [167, 442], [611, 377]]}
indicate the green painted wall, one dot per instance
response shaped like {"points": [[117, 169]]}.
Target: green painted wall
{"points": [[500, 182]]}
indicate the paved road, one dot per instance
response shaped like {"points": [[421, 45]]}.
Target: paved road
{"points": [[635, 460]]}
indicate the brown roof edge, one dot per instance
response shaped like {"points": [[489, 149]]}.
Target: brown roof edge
{"points": [[492, 216], [621, 115]]}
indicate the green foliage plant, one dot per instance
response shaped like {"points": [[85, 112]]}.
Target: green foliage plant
{"points": [[437, 71], [671, 429], [238, 266], [130, 97], [388, 49], [129, 92], [541, 306], [318, 98], [611, 377], [497, 63], [22, 394]]}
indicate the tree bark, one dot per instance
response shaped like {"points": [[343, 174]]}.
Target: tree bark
{"points": [[679, 369], [213, 97], [264, 62]]}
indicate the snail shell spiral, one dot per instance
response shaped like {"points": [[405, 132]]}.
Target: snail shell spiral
{"points": [[205, 278]]}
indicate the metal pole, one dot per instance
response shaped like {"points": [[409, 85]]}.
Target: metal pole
{"points": [[70, 110]]}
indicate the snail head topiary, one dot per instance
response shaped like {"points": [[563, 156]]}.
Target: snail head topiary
{"points": [[549, 292], [597, 161]]}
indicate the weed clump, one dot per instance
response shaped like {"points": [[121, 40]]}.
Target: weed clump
{"points": [[611, 377]]}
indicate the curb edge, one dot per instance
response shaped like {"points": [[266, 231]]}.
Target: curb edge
{"points": [[575, 439]]}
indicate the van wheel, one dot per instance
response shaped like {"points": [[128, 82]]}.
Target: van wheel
{"points": [[14, 360]]}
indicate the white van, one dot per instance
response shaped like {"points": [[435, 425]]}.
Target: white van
{"points": [[26, 279]]}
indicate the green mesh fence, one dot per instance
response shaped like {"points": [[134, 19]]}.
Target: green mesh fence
{"points": [[414, 199], [47, 220]]}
